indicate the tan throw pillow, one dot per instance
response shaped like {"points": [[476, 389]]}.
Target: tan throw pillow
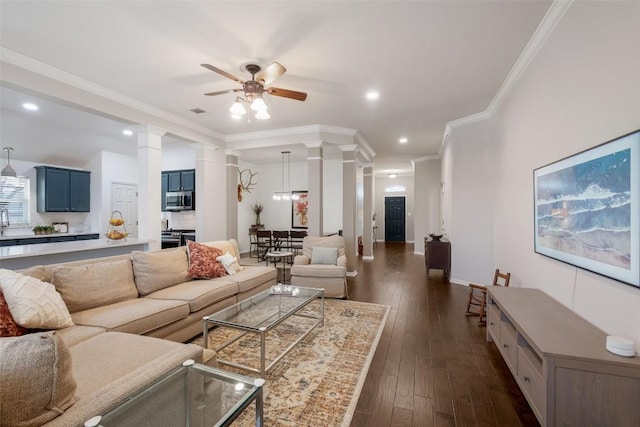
{"points": [[8, 326], [158, 270], [95, 285], [34, 304], [36, 381], [203, 261]]}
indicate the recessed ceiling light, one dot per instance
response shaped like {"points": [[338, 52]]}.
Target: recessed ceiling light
{"points": [[30, 106], [403, 140], [127, 132], [373, 94], [393, 175]]}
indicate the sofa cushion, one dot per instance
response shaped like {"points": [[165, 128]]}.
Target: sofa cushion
{"points": [[310, 242], [37, 271], [157, 270], [77, 333], [318, 270], [33, 304], [8, 326], [93, 285], [37, 394], [198, 293], [253, 277], [136, 316], [203, 261], [328, 256]]}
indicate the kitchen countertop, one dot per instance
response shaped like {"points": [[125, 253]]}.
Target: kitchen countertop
{"points": [[32, 235], [40, 249]]}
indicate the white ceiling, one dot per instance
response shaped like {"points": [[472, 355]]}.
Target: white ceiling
{"points": [[431, 61]]}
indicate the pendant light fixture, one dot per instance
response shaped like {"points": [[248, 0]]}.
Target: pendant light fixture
{"points": [[8, 170], [282, 194]]}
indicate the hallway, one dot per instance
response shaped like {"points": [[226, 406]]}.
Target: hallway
{"points": [[433, 365]]}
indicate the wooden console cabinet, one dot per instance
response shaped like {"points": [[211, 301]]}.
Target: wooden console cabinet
{"points": [[437, 254], [560, 362]]}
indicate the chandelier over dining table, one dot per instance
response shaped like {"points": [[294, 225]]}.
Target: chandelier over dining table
{"points": [[282, 194]]}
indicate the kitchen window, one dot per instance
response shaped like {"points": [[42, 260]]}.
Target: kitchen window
{"points": [[14, 197]]}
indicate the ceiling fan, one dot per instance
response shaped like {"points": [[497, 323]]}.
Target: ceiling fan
{"points": [[254, 89]]}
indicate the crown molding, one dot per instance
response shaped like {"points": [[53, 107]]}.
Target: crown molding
{"points": [[229, 152], [24, 62], [548, 23], [424, 159]]}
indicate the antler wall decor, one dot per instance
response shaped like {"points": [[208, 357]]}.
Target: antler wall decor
{"points": [[244, 185]]}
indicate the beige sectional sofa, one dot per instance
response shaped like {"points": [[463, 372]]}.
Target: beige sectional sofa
{"points": [[121, 305]]}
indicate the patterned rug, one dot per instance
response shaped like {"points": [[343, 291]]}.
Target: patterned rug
{"points": [[319, 381]]}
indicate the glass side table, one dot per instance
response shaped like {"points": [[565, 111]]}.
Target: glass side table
{"points": [[192, 395]]}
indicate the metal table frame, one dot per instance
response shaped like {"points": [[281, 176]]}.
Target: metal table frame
{"points": [[262, 331]]}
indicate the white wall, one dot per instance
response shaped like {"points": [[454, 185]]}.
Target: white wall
{"points": [[581, 89], [332, 203], [469, 200], [427, 198]]}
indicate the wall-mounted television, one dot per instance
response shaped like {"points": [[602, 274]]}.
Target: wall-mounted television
{"points": [[587, 209]]}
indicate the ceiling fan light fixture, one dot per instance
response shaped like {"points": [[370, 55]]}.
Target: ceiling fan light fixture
{"points": [[237, 108], [262, 115], [258, 104]]}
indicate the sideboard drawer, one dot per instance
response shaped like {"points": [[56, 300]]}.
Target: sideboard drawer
{"points": [[508, 344], [531, 379], [493, 321]]}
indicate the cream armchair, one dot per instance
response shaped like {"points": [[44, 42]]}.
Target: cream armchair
{"points": [[322, 264]]}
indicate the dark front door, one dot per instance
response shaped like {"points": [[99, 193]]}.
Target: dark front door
{"points": [[394, 219]]}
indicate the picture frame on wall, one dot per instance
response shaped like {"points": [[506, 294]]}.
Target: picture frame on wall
{"points": [[587, 209], [299, 209]]}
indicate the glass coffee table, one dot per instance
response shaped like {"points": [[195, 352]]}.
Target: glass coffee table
{"points": [[261, 314], [192, 395]]}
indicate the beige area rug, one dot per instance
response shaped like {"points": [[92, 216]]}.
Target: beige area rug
{"points": [[319, 381]]}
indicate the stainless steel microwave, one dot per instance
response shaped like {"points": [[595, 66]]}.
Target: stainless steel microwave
{"points": [[179, 200]]}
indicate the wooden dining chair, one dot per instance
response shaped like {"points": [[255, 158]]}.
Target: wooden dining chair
{"points": [[295, 239], [264, 243], [477, 300]]}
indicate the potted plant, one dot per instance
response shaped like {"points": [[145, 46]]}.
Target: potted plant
{"points": [[257, 210]]}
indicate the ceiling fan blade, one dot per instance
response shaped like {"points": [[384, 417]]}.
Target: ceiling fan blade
{"points": [[221, 92], [271, 73], [222, 73], [286, 93]]}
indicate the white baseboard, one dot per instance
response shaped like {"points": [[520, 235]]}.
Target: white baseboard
{"points": [[367, 257]]}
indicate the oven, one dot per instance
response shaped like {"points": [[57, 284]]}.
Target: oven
{"points": [[171, 239], [175, 238]]}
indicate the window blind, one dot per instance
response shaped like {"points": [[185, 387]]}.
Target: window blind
{"points": [[14, 197]]}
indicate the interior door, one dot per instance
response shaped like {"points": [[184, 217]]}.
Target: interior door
{"points": [[124, 198], [394, 219]]}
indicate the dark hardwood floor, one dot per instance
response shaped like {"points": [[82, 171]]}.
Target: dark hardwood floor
{"points": [[433, 365]]}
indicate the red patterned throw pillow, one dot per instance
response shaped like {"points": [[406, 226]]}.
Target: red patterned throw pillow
{"points": [[203, 263], [8, 326]]}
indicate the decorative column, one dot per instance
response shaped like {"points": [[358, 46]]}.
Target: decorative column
{"points": [[349, 182], [150, 184], [315, 187], [232, 193], [367, 223], [210, 178]]}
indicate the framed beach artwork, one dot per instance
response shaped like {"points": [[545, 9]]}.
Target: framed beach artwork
{"points": [[587, 209], [299, 209]]}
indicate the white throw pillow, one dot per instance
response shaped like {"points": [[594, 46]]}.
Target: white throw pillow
{"points": [[227, 260], [320, 255], [33, 304]]}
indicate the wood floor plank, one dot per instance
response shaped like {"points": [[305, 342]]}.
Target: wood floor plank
{"points": [[430, 352]]}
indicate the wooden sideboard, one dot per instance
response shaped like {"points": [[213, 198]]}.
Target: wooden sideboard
{"points": [[437, 255], [560, 362]]}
